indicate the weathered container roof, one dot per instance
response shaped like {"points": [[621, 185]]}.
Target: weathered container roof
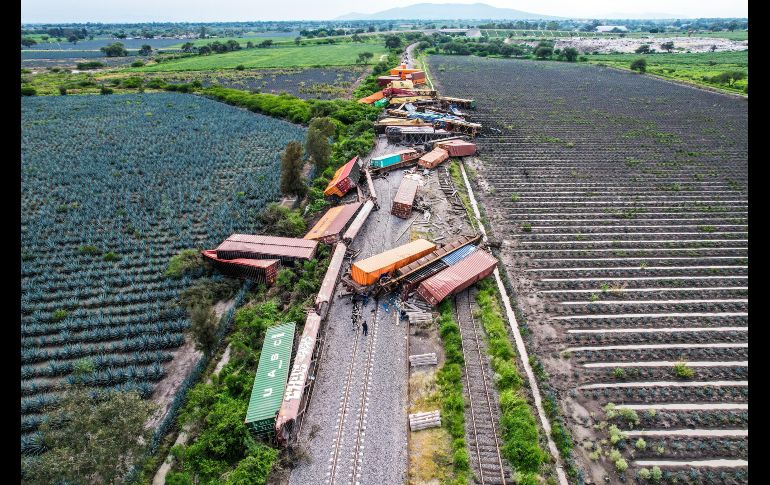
{"points": [[466, 270], [272, 245], [272, 373], [406, 191], [397, 152], [333, 221], [372, 97], [459, 254]]}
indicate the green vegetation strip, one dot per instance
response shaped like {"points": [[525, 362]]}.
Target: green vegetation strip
{"points": [[451, 388], [726, 71], [519, 430], [278, 56]]}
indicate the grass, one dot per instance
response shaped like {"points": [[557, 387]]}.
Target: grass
{"points": [[281, 56], [430, 449], [519, 429], [691, 68]]}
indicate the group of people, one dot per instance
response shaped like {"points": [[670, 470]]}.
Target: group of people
{"points": [[356, 314]]}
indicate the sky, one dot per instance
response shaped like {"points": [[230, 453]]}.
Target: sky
{"points": [[52, 11]]}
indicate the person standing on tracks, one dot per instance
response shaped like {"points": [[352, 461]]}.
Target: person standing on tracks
{"points": [[365, 328]]}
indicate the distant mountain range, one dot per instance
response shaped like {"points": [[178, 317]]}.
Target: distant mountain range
{"points": [[448, 11]]}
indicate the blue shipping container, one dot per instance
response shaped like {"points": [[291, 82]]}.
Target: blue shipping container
{"points": [[459, 254]]}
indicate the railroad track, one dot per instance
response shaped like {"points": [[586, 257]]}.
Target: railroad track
{"points": [[483, 442], [337, 473]]}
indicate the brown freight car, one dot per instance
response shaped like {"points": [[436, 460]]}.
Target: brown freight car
{"points": [[404, 198]]}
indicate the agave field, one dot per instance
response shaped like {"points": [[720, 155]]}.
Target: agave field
{"points": [[621, 201], [112, 187]]}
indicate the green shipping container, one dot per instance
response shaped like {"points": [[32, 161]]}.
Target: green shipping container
{"points": [[386, 160], [380, 103], [270, 381]]}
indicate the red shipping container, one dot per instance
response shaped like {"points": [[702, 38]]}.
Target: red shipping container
{"points": [[433, 158], [458, 148], [259, 270], [474, 267]]}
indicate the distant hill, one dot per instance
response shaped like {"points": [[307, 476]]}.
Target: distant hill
{"points": [[448, 11]]}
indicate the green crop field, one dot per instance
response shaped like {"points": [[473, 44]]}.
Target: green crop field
{"points": [[241, 40], [738, 35], [698, 68], [289, 56]]}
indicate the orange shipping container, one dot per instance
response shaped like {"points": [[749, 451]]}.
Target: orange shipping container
{"points": [[368, 271], [433, 158], [372, 98]]}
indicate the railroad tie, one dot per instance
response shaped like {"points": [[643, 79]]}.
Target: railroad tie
{"points": [[430, 419], [423, 359]]}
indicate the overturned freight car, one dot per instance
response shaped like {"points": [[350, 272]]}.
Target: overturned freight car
{"points": [[369, 270], [345, 178], [259, 270], [433, 158], [249, 246], [454, 279], [403, 201], [330, 227]]}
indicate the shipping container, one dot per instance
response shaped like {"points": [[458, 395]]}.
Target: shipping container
{"points": [[445, 250], [385, 80], [249, 246], [474, 267], [402, 84], [369, 270], [433, 158], [458, 148], [326, 292], [402, 69], [381, 103], [408, 99], [259, 270], [358, 222], [270, 380], [393, 158], [372, 98], [302, 376], [410, 281], [404, 198], [329, 228], [345, 178]]}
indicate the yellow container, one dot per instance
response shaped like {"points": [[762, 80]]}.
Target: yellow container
{"points": [[369, 270]]}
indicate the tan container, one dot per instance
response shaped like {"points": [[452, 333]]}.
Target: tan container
{"points": [[433, 158], [402, 84], [369, 270]]}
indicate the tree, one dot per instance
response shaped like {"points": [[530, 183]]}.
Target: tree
{"points": [[667, 46], [317, 144], [266, 43], [571, 54], [188, 47], [249, 45], [543, 51], [115, 50], [297, 40], [292, 182], [364, 57], [392, 42], [639, 65], [356, 38], [204, 50], [203, 326], [73, 39], [28, 41], [643, 49], [145, 50], [92, 439], [202, 33], [713, 48]]}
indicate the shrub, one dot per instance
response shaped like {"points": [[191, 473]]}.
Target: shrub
{"points": [[629, 415], [106, 90], [682, 371], [138, 63], [240, 67], [643, 474], [615, 455], [62, 90], [640, 444], [639, 65], [90, 65], [282, 221], [28, 91], [621, 465], [110, 256], [514, 197], [617, 372], [59, 315], [186, 261], [656, 474], [526, 227]]}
